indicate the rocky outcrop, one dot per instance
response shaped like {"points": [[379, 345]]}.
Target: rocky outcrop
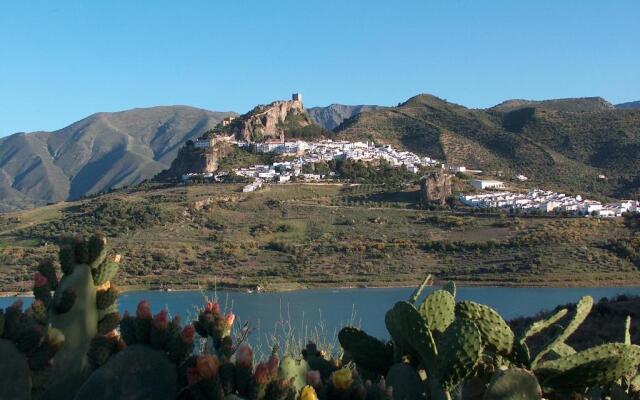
{"points": [[268, 121], [191, 159], [435, 188]]}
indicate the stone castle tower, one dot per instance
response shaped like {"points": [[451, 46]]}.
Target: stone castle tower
{"points": [[296, 97]]}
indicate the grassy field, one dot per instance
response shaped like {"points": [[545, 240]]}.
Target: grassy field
{"points": [[297, 236]]}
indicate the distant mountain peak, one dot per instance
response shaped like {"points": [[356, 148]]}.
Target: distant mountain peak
{"points": [[332, 116]]}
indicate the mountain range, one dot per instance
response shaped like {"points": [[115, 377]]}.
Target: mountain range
{"points": [[581, 146], [564, 143], [99, 152]]}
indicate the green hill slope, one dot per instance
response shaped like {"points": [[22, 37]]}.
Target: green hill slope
{"points": [[559, 149]]}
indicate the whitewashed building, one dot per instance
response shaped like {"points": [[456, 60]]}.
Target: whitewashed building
{"points": [[482, 184]]}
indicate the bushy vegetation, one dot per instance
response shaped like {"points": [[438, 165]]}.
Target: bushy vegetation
{"points": [[293, 236], [114, 217]]}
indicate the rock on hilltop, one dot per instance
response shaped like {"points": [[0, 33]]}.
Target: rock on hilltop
{"points": [[269, 121]]}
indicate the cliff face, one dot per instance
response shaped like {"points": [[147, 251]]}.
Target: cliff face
{"points": [[196, 160], [265, 122]]}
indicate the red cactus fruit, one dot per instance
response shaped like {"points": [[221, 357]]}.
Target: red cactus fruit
{"points": [[207, 366], [161, 321], [229, 319], [143, 310], [273, 365], [244, 357], [39, 280], [188, 333], [262, 374]]}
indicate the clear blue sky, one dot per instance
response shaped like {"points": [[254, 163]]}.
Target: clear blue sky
{"points": [[63, 60]]}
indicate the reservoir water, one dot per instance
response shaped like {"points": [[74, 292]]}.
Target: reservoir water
{"points": [[299, 315]]}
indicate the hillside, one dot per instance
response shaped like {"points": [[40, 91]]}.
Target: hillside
{"points": [[333, 115], [555, 148], [102, 151], [331, 235], [570, 104], [633, 105]]}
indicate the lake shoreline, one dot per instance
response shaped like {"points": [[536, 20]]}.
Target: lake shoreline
{"points": [[296, 287]]}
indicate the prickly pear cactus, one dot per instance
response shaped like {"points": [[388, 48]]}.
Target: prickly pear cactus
{"points": [[318, 362], [405, 382], [596, 366], [27, 346], [513, 384], [583, 308], [541, 325], [448, 360], [75, 310], [408, 329], [459, 352], [215, 327], [450, 287], [368, 352], [135, 373], [496, 333], [438, 309], [294, 370]]}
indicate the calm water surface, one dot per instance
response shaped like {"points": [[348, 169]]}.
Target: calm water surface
{"points": [[336, 307]]}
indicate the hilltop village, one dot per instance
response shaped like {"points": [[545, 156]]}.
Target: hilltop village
{"points": [[265, 123]]}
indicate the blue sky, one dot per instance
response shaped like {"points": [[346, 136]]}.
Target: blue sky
{"points": [[63, 60]]}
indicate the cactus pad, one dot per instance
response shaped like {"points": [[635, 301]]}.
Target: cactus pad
{"points": [[136, 372], [368, 352], [294, 370], [105, 298], [406, 325], [496, 334], [595, 366], [513, 384], [541, 325], [416, 294], [459, 352], [104, 272], [108, 323], [450, 287], [438, 309], [405, 382], [583, 308]]}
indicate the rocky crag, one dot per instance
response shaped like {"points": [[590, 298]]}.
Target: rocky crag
{"points": [[435, 188], [193, 159], [268, 122]]}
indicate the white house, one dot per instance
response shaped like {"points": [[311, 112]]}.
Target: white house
{"points": [[482, 184]]}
